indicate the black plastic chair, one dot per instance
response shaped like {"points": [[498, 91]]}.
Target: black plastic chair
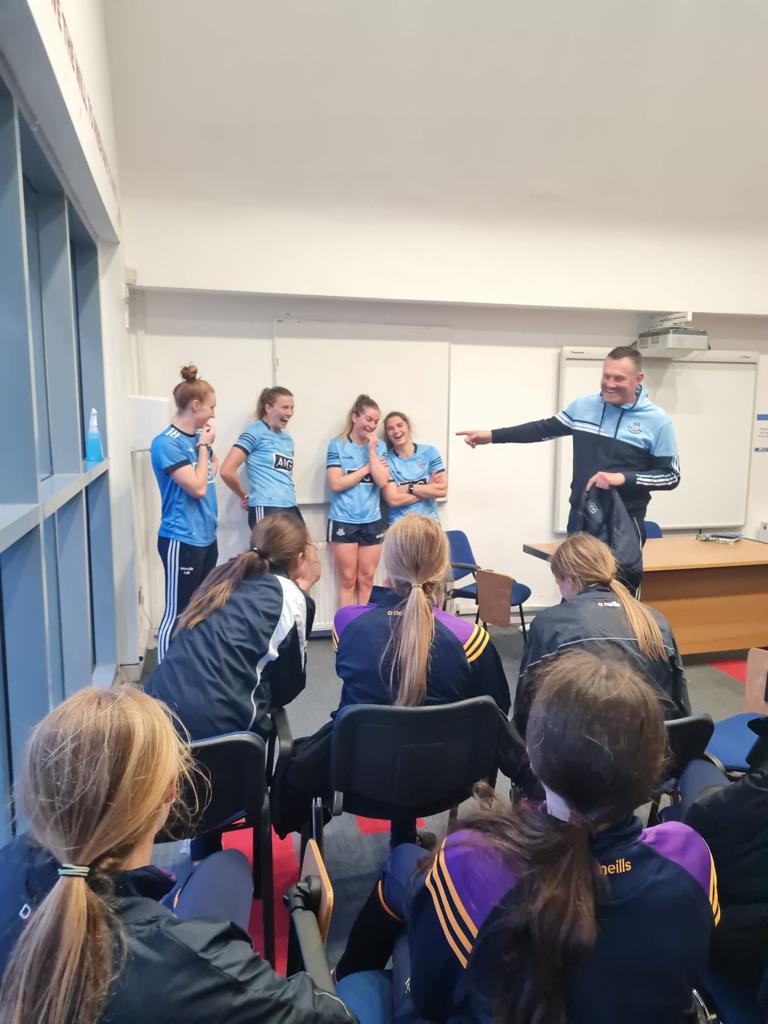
{"points": [[687, 739], [232, 795], [410, 762]]}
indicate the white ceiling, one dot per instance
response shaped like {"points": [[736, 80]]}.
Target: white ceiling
{"points": [[597, 111]]}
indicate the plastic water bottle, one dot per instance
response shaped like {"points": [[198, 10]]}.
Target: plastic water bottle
{"points": [[94, 451]]}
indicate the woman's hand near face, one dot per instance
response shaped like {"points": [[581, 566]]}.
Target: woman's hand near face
{"points": [[207, 434]]}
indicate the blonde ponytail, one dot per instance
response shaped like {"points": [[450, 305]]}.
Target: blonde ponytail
{"points": [[98, 772], [416, 559], [641, 623], [587, 560]]}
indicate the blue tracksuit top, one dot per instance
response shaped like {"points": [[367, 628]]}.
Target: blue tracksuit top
{"points": [[636, 440]]}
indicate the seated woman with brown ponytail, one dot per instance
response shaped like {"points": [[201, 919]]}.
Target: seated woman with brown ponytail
{"points": [[402, 650], [240, 647], [599, 614], [563, 911], [84, 938]]}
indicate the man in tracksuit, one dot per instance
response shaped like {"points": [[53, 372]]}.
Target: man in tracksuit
{"points": [[620, 438]]}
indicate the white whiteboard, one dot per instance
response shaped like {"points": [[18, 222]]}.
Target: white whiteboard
{"points": [[710, 399], [327, 365]]}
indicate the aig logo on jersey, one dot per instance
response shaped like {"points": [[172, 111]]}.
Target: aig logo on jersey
{"points": [[284, 462], [634, 427]]}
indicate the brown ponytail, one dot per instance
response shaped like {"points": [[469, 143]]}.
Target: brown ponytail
{"points": [[90, 801], [269, 396], [361, 403], [587, 560], [416, 559], [191, 388], [275, 541], [582, 749]]}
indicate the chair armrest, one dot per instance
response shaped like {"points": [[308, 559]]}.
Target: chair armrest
{"points": [[302, 900], [282, 738], [469, 566]]}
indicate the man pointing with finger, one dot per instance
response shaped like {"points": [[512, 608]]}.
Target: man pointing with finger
{"points": [[620, 438]]}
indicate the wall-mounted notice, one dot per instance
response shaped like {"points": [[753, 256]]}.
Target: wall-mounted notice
{"points": [[760, 439]]}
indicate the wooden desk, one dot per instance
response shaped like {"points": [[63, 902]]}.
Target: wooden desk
{"points": [[714, 596]]}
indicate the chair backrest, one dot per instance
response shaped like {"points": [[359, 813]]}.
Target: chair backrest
{"points": [[688, 738], [412, 761], [461, 551], [756, 685], [652, 530], [234, 766], [494, 596]]}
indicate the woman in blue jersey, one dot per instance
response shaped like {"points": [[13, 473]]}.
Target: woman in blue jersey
{"points": [[566, 910], [185, 466], [417, 476], [355, 471], [267, 451]]}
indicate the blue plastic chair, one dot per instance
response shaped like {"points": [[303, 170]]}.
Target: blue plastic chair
{"points": [[732, 740], [463, 564], [652, 530]]}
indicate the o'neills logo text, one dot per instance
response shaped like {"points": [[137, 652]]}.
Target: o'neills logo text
{"points": [[619, 867]]}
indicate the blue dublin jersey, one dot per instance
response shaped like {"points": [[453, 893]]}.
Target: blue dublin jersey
{"points": [[183, 518], [269, 465], [360, 504], [418, 469]]}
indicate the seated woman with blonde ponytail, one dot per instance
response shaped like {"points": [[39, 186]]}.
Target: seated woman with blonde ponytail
{"points": [[84, 938], [402, 650], [240, 648], [598, 614]]}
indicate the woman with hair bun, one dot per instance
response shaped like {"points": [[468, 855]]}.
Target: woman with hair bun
{"points": [[599, 614], [86, 935], [240, 648], [568, 910], [267, 451], [185, 466], [404, 651], [355, 471]]}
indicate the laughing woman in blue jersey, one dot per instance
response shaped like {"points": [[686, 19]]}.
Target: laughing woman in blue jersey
{"points": [[267, 451], [417, 476], [355, 471], [185, 466]]}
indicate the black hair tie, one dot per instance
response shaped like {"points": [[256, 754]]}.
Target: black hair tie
{"points": [[262, 554]]}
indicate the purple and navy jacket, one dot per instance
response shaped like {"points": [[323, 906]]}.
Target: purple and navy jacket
{"points": [[463, 662], [654, 926]]}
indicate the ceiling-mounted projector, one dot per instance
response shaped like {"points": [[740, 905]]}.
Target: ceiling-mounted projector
{"points": [[668, 342]]}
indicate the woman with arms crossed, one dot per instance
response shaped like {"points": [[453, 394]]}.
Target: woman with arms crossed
{"points": [[355, 471], [417, 476], [267, 451], [185, 466], [81, 902]]}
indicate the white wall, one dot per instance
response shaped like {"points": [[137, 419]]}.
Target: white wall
{"points": [[186, 243], [504, 367]]}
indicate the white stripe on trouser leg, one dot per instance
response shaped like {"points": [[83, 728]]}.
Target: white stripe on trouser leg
{"points": [[171, 599]]}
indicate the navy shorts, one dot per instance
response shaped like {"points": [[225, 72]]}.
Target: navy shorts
{"points": [[257, 512], [367, 535]]}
